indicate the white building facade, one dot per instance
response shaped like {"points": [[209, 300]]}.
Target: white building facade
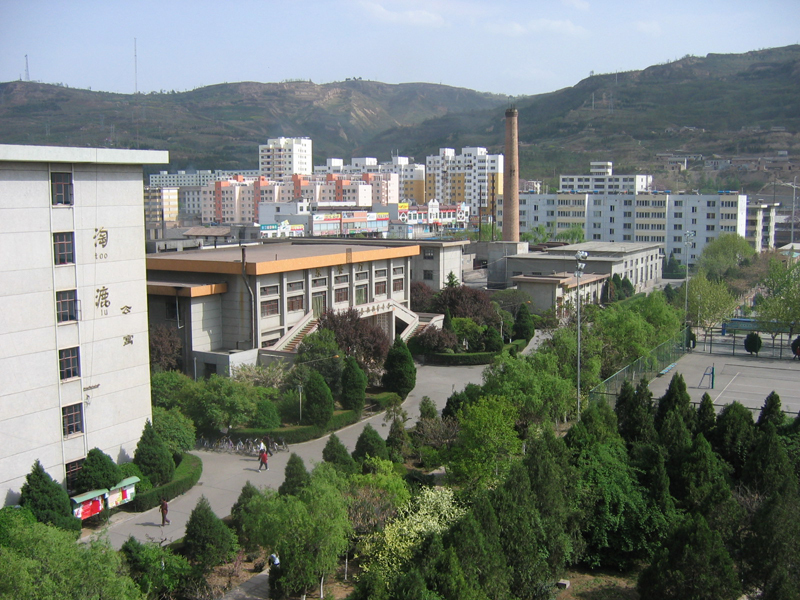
{"points": [[602, 179], [644, 217], [474, 177], [74, 308], [285, 156]]}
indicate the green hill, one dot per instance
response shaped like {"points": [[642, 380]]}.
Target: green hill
{"points": [[728, 105]]}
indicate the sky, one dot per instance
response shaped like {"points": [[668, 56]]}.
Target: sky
{"points": [[510, 47]]}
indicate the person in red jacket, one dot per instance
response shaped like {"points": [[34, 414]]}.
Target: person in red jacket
{"points": [[263, 457]]}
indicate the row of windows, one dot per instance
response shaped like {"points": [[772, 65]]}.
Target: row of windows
{"points": [[272, 307]]}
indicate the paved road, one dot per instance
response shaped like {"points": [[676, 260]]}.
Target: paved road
{"points": [[224, 475]]}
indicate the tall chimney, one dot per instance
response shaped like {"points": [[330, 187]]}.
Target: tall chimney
{"points": [[511, 179]]}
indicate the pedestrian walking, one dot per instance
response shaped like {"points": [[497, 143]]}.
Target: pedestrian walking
{"points": [[164, 509], [264, 458]]}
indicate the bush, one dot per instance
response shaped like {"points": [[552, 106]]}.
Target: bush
{"points": [[166, 388], [386, 399], [523, 324], [129, 469], [157, 571], [208, 541], [752, 343], [175, 429], [266, 416], [430, 458], [238, 511], [492, 342], [187, 474], [98, 472], [47, 500], [433, 339], [427, 408], [153, 457]]}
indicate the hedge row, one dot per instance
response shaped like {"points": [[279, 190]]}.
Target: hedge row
{"points": [[466, 358], [187, 474], [384, 399], [517, 346], [297, 435]]}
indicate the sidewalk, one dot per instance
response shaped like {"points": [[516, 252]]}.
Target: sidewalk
{"points": [[224, 474]]}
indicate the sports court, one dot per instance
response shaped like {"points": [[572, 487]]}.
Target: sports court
{"points": [[743, 378]]}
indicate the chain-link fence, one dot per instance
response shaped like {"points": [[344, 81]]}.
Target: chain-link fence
{"points": [[659, 360], [776, 338]]}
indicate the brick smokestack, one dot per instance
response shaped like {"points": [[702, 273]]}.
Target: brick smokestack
{"points": [[511, 179]]}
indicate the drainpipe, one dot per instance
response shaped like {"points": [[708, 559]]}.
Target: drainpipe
{"points": [[254, 327]]}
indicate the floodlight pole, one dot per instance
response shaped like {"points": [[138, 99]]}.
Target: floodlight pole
{"points": [[687, 240], [580, 266]]}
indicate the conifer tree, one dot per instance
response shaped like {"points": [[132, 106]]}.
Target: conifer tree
{"points": [[634, 409], [336, 453], [734, 436], [768, 469], [318, 408], [706, 417], [295, 478], [208, 541], [676, 396], [401, 373], [98, 472], [153, 457], [47, 500], [771, 412], [370, 443], [523, 324], [354, 386], [693, 563]]}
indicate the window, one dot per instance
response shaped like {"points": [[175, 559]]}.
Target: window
{"points": [[295, 286], [361, 294], [709, 228], [73, 468], [64, 248], [380, 288], [270, 307], [380, 273], [362, 276], [342, 295], [72, 419], [397, 271], [66, 306], [711, 215], [294, 303], [427, 275], [339, 279], [397, 285], [269, 290], [61, 189], [69, 363], [321, 282], [427, 253]]}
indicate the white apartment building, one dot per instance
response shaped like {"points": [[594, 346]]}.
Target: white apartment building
{"points": [[602, 180], [280, 157], [644, 217], [474, 177], [73, 330], [182, 178]]}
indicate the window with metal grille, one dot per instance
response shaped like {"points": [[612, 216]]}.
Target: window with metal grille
{"points": [[270, 307], [427, 275], [342, 295], [72, 469], [64, 248], [380, 288], [294, 303], [72, 419], [61, 189], [69, 363], [66, 306], [427, 253], [294, 286], [397, 285]]}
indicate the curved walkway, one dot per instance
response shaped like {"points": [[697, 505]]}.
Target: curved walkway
{"points": [[224, 475]]}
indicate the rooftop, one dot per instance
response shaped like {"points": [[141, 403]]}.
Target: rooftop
{"points": [[9, 152]]}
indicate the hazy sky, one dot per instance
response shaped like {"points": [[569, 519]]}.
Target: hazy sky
{"points": [[513, 47]]}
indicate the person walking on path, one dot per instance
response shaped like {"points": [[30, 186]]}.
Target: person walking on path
{"points": [[164, 509], [264, 458]]}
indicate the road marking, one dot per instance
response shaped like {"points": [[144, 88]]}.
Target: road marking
{"points": [[726, 387]]}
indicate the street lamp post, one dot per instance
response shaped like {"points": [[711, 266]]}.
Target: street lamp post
{"points": [[687, 240], [579, 267], [300, 392]]}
